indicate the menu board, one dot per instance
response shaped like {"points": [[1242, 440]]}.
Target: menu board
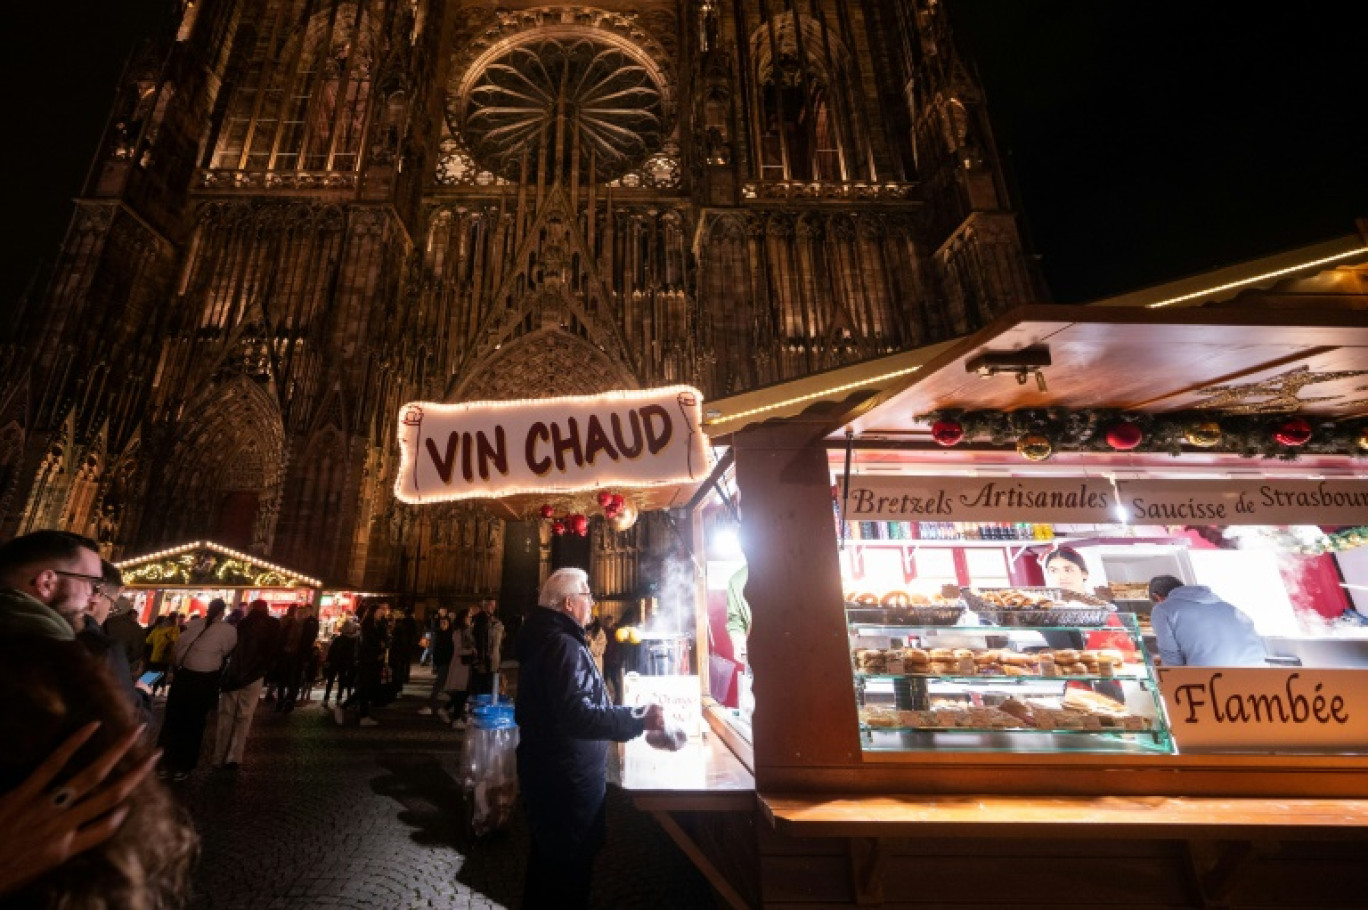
{"points": [[1097, 500]]}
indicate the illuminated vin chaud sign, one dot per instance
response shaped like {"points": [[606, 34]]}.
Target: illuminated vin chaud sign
{"points": [[486, 449]]}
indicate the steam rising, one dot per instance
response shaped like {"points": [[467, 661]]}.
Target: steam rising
{"points": [[675, 593]]}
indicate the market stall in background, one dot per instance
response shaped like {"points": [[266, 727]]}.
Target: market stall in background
{"points": [[335, 607], [919, 672], [186, 578]]}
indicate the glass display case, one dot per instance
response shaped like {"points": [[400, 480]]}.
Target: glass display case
{"points": [[1013, 671]]}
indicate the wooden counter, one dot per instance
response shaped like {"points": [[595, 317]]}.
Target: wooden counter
{"points": [[703, 776], [703, 797], [809, 815]]}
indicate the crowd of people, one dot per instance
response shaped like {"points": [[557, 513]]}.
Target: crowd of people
{"points": [[87, 818]]}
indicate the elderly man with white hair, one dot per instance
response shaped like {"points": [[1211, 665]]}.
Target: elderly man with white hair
{"points": [[566, 720]]}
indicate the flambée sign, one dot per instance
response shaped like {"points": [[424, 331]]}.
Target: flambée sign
{"points": [[485, 449], [1234, 709]]}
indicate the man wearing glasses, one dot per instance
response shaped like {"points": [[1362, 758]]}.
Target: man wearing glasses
{"points": [[565, 722], [47, 580], [91, 635]]}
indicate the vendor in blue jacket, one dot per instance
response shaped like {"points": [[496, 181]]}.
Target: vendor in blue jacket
{"points": [[1196, 628], [565, 722]]}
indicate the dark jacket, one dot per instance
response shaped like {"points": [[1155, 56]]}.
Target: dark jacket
{"points": [[258, 646], [375, 641], [443, 647], [342, 651], [403, 639], [309, 634], [111, 653], [127, 631], [565, 721], [21, 615]]}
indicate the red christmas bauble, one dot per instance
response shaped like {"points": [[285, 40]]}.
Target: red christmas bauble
{"points": [[604, 499], [558, 528], [580, 524], [547, 511], [1293, 432], [1124, 436], [947, 432], [618, 501]]}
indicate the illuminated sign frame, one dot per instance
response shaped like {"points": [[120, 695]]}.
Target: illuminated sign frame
{"points": [[494, 449]]}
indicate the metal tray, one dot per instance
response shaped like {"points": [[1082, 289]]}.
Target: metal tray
{"points": [[904, 616], [974, 597], [1044, 618]]}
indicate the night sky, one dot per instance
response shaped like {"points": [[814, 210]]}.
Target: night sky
{"points": [[1144, 142]]}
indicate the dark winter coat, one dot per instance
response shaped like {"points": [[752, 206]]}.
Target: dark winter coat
{"points": [[126, 630], [342, 651], [565, 722], [443, 647], [111, 654], [258, 647], [375, 642]]}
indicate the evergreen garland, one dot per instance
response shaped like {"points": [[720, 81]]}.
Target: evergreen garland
{"points": [[1085, 430], [1337, 541]]}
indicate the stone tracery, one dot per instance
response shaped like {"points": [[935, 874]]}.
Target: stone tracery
{"points": [[353, 204]]}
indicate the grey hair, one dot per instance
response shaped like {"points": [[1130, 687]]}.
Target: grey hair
{"points": [[559, 585]]}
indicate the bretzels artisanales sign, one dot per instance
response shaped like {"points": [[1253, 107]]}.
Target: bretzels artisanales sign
{"points": [[486, 449]]}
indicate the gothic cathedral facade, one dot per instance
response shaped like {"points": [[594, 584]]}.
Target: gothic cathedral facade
{"points": [[304, 213]]}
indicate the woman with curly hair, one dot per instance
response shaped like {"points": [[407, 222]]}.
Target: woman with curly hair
{"points": [[83, 826]]}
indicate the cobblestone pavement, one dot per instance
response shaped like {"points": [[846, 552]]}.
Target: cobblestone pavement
{"points": [[321, 816]]}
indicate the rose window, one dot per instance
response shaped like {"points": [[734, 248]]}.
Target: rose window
{"points": [[555, 101]]}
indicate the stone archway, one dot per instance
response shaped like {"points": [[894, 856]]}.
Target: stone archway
{"points": [[547, 363], [226, 470]]}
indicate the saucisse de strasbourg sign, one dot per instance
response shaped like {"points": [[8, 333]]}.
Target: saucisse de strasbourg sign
{"points": [[486, 449], [1093, 500], [1215, 709]]}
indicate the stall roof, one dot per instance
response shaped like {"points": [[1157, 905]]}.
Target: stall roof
{"points": [[1319, 274], [853, 383], [204, 563], [1132, 358], [1274, 329]]}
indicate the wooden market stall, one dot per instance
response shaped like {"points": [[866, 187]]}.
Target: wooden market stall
{"points": [[1091, 818], [183, 579]]}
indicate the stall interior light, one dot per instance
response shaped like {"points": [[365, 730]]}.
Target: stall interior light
{"points": [[811, 396], [726, 543], [1254, 279], [216, 548]]}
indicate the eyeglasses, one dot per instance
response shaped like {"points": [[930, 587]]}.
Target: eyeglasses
{"points": [[97, 584], [588, 594]]}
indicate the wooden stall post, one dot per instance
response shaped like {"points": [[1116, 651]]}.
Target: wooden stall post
{"points": [[798, 635]]}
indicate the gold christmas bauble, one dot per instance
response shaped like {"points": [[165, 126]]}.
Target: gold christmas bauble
{"points": [[1204, 435], [625, 517], [1362, 440], [1034, 447]]}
